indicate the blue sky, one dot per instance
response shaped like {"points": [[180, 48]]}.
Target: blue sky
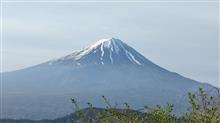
{"points": [[181, 37]]}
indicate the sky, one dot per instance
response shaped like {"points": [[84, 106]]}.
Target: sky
{"points": [[179, 36]]}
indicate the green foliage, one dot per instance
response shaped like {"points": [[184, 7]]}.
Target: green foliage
{"points": [[203, 109], [160, 115]]}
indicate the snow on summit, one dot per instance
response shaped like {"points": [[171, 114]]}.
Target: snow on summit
{"points": [[109, 51]]}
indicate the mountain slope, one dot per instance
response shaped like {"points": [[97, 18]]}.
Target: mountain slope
{"points": [[109, 67]]}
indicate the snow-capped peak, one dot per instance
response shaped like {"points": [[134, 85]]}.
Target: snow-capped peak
{"points": [[107, 43], [104, 51]]}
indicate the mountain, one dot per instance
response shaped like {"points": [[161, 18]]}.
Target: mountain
{"points": [[108, 67]]}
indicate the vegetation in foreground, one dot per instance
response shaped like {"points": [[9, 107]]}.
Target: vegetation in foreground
{"points": [[203, 109]]}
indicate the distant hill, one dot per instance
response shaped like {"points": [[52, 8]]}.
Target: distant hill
{"points": [[65, 119]]}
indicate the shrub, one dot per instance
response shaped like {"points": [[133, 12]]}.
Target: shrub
{"points": [[202, 109]]}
